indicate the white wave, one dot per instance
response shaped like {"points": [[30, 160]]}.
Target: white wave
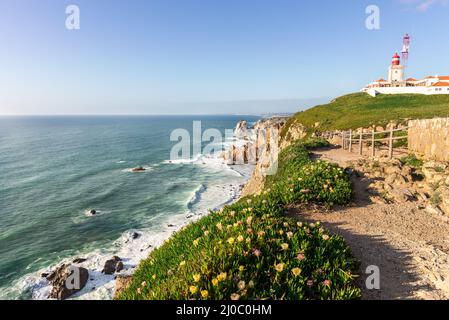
{"points": [[132, 250]]}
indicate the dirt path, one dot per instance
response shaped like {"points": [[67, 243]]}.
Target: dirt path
{"points": [[409, 245]]}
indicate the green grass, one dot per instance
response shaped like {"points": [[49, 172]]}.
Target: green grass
{"points": [[251, 250], [412, 161], [361, 110]]}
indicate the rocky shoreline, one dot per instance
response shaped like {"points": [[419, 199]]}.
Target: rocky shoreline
{"points": [[59, 282]]}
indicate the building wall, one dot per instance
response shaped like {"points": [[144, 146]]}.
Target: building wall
{"points": [[429, 138], [403, 90]]}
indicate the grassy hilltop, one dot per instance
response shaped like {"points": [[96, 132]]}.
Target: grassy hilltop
{"points": [[361, 110]]}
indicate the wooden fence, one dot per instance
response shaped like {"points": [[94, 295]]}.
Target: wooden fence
{"points": [[351, 138]]}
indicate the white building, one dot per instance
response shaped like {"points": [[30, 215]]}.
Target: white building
{"points": [[397, 85]]}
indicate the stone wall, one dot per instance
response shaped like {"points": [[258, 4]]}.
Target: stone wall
{"points": [[429, 138]]}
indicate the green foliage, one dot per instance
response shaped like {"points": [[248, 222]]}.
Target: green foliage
{"points": [[250, 250], [436, 198], [412, 161], [361, 110]]}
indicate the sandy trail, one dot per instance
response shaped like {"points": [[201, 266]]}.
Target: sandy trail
{"points": [[409, 245]]}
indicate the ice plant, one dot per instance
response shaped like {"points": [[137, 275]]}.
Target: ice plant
{"points": [[296, 271], [280, 256], [257, 252], [204, 294], [279, 267], [327, 283], [235, 296], [300, 256], [193, 289], [222, 276]]}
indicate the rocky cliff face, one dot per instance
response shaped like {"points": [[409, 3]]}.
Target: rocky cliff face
{"points": [[295, 131], [258, 145]]}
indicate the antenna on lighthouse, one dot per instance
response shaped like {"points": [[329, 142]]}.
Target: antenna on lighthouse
{"points": [[405, 49]]}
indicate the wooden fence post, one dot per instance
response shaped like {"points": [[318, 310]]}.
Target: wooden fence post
{"points": [[390, 150], [372, 144], [343, 140], [350, 140], [360, 142]]}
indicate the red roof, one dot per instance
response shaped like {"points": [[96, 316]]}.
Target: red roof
{"points": [[411, 79], [381, 80], [444, 78], [441, 84]]}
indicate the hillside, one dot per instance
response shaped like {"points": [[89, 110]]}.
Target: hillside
{"points": [[361, 110]]}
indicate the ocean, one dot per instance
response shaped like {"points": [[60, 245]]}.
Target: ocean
{"points": [[54, 170]]}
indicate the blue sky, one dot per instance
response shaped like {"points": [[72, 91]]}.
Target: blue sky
{"points": [[206, 56]]}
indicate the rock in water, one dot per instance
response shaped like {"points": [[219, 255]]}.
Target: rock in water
{"points": [[135, 235], [93, 212], [79, 260], [112, 265], [109, 267], [138, 169], [119, 266], [67, 280]]}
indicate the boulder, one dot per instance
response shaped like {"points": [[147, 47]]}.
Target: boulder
{"points": [[110, 266], [79, 260], [67, 280], [135, 235], [434, 210], [138, 169], [391, 178], [119, 266], [402, 195], [93, 212]]}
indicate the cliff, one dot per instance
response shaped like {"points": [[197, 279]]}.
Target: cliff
{"points": [[261, 144]]}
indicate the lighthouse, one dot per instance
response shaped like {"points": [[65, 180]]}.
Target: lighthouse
{"points": [[396, 72]]}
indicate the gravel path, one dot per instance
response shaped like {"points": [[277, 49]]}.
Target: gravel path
{"points": [[409, 245]]}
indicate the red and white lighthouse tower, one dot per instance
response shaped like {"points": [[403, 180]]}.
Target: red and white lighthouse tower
{"points": [[396, 60], [396, 72]]}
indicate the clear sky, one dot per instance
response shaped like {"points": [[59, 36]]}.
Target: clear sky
{"points": [[206, 56]]}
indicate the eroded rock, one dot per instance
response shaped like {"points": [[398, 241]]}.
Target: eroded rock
{"points": [[67, 280]]}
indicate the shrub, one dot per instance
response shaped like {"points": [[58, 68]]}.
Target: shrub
{"points": [[250, 250], [412, 161], [436, 199]]}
